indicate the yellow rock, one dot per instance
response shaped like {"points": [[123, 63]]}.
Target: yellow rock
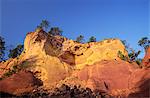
{"points": [[52, 58]]}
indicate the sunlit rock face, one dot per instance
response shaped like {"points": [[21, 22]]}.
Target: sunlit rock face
{"points": [[89, 53], [54, 57], [43, 50], [71, 52], [56, 60]]}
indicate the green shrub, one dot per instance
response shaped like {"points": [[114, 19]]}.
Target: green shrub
{"points": [[15, 69], [92, 39], [121, 56], [9, 73], [138, 61], [80, 39]]}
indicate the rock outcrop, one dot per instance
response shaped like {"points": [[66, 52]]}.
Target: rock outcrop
{"points": [[109, 74], [19, 83], [56, 60], [54, 57], [146, 59], [139, 83]]}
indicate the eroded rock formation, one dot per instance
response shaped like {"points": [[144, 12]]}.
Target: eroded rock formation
{"points": [[56, 60]]}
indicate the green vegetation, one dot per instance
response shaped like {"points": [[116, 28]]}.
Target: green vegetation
{"points": [[55, 31], [92, 39], [132, 54], [124, 42], [9, 73], [2, 48], [15, 69], [66, 91], [138, 61], [44, 25], [16, 51], [122, 57], [80, 39], [144, 42], [132, 57]]}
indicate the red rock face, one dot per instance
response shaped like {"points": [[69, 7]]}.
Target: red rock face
{"points": [[4, 67], [113, 76], [107, 75], [19, 83], [146, 60], [139, 83]]}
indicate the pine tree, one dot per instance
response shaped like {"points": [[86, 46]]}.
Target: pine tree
{"points": [[92, 39], [16, 51], [55, 31], [80, 39], [43, 25], [2, 48], [144, 42]]}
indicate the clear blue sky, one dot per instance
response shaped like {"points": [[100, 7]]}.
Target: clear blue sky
{"points": [[124, 19]]}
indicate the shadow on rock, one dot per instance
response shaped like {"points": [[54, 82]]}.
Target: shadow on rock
{"points": [[143, 90]]}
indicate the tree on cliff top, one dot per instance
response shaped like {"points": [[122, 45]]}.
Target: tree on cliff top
{"points": [[45, 24], [92, 39], [144, 42], [124, 42], [55, 31], [2, 48], [16, 51], [132, 54], [80, 39]]}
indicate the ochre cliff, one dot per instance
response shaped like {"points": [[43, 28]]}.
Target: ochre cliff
{"points": [[75, 54], [56, 60], [53, 57]]}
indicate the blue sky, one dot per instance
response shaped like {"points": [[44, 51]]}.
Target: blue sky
{"points": [[124, 19]]}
